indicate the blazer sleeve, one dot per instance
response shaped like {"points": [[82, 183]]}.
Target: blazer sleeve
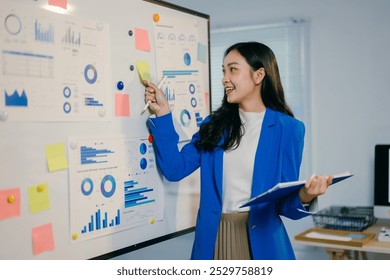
{"points": [[175, 164], [291, 206]]}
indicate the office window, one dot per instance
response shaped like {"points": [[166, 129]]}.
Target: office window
{"points": [[289, 42]]}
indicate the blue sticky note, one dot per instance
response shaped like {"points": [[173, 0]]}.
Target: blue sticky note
{"points": [[202, 53]]}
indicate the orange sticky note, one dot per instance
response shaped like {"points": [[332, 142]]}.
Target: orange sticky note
{"points": [[59, 3], [122, 105], [42, 238], [142, 40], [9, 203]]}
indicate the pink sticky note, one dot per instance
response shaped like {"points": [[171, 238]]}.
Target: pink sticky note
{"points": [[9, 203], [122, 105], [42, 238], [207, 99], [59, 3], [142, 40]]}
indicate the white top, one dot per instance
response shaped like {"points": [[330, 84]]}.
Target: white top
{"points": [[238, 165]]}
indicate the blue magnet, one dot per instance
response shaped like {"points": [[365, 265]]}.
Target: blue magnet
{"points": [[120, 85]]}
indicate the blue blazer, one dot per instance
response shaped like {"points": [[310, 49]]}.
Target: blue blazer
{"points": [[278, 159]]}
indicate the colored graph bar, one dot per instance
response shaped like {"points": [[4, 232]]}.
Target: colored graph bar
{"points": [[169, 94], [129, 184], [118, 218], [97, 222], [174, 73], [90, 101], [89, 155], [91, 225], [105, 220], [28, 54], [132, 204], [70, 38], [135, 197], [44, 35], [198, 118]]}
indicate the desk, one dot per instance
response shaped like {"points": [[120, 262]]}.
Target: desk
{"points": [[337, 251]]}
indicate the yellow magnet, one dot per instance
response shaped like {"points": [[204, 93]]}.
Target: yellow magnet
{"points": [[151, 220], [40, 188], [10, 198], [75, 236]]}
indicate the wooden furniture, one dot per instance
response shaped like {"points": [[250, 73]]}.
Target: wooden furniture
{"points": [[354, 249]]}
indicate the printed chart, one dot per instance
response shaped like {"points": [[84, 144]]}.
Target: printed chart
{"points": [[114, 185], [52, 67], [182, 57]]}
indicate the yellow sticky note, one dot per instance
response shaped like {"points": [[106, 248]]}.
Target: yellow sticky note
{"points": [[56, 157], [9, 203], [142, 40], [42, 239], [143, 70], [38, 198]]}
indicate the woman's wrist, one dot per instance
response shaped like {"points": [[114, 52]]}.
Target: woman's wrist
{"points": [[305, 198]]}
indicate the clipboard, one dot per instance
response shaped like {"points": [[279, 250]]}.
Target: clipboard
{"points": [[283, 189]]}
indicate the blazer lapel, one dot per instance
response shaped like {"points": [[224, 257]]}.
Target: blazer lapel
{"points": [[265, 154], [218, 171]]}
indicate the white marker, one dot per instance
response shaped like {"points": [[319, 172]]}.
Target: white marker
{"points": [[159, 85]]}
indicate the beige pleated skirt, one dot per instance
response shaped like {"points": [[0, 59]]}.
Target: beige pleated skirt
{"points": [[232, 239]]}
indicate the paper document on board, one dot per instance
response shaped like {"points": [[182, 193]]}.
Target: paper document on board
{"points": [[283, 189]]}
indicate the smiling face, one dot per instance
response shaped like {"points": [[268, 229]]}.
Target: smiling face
{"points": [[241, 83]]}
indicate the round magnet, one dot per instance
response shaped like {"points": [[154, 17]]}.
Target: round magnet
{"points": [[10, 199], [120, 85], [102, 112]]}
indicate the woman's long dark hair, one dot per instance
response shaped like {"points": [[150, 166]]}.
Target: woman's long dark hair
{"points": [[226, 119]]}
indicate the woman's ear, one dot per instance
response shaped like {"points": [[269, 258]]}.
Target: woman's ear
{"points": [[259, 75]]}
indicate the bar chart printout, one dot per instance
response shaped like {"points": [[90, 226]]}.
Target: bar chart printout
{"points": [[114, 186]]}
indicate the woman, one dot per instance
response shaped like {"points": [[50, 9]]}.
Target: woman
{"points": [[251, 143]]}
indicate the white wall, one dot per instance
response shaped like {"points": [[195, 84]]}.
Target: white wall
{"points": [[350, 85]]}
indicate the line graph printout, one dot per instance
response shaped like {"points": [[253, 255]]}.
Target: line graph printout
{"points": [[182, 56], [52, 67], [114, 186]]}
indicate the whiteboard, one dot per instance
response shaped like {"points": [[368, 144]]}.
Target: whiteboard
{"points": [[78, 176]]}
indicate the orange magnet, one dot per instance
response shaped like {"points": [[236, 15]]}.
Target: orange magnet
{"points": [[156, 17]]}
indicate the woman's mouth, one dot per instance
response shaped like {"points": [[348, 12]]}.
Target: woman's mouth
{"points": [[228, 90]]}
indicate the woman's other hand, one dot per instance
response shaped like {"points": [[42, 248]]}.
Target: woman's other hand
{"points": [[316, 185]]}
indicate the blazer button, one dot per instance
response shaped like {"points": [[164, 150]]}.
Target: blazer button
{"points": [[253, 226]]}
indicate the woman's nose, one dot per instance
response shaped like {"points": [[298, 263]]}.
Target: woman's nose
{"points": [[225, 80]]}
